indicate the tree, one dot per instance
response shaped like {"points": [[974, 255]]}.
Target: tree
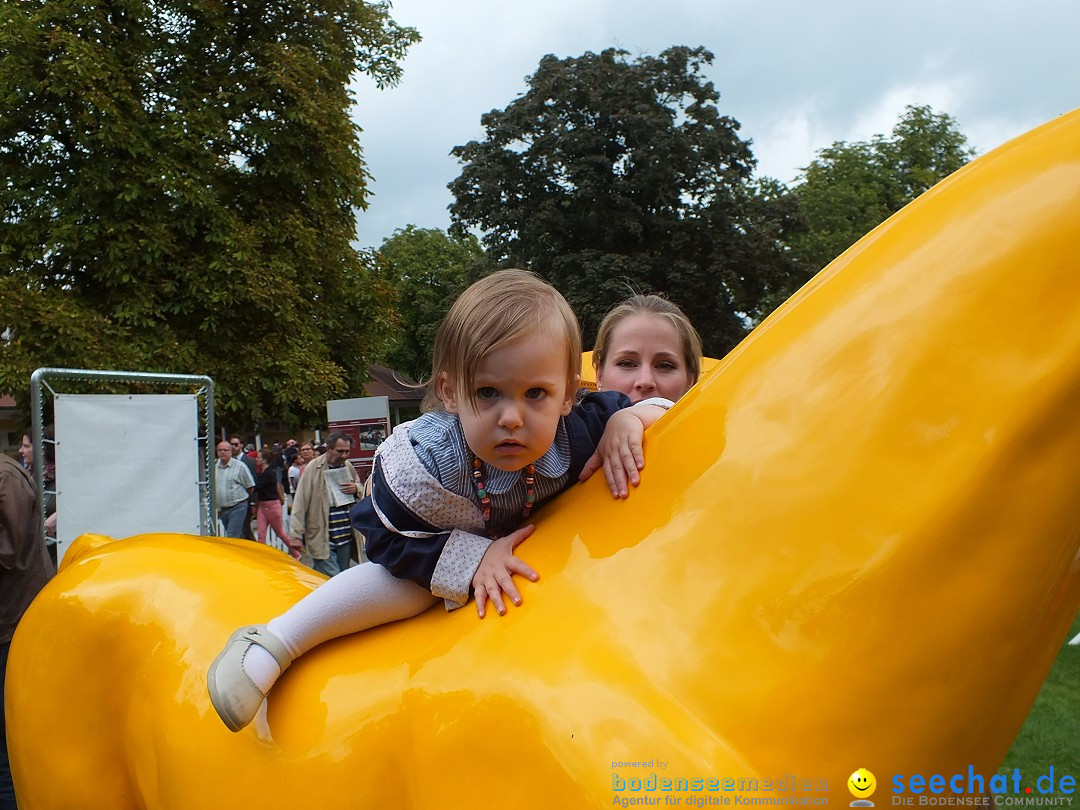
{"points": [[179, 182], [428, 268], [610, 174], [850, 188]]}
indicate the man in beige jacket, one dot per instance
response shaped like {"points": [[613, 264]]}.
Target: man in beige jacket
{"points": [[322, 526]]}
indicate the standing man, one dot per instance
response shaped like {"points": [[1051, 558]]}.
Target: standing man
{"points": [[238, 453], [24, 568], [318, 521], [233, 485]]}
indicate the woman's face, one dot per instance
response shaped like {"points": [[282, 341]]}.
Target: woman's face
{"points": [[26, 451], [645, 359]]}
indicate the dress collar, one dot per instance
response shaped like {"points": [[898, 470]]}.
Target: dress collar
{"points": [[553, 464]]}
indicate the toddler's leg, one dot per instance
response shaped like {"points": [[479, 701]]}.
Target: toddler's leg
{"points": [[359, 598], [362, 597]]}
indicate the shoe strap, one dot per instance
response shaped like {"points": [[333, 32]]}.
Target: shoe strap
{"points": [[258, 634]]}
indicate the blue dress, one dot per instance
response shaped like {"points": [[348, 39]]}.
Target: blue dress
{"points": [[423, 519]]}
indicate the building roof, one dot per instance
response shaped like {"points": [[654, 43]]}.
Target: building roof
{"points": [[393, 385]]}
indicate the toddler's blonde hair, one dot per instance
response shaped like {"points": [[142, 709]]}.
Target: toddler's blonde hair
{"points": [[495, 311]]}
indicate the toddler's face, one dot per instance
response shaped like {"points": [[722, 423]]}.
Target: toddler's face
{"points": [[521, 391]]}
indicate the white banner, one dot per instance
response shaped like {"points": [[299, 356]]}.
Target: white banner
{"points": [[126, 464]]}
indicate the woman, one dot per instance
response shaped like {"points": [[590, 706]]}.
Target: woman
{"points": [[26, 455], [307, 454], [271, 495], [646, 347]]}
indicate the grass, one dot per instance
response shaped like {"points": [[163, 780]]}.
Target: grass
{"points": [[1051, 733]]}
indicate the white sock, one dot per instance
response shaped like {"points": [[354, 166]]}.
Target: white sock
{"points": [[362, 597], [260, 667]]}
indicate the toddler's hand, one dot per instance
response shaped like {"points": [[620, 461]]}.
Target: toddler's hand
{"points": [[494, 576], [620, 453]]}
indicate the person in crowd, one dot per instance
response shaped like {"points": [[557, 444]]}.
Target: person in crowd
{"points": [[26, 453], [647, 347], [237, 448], [233, 486], [293, 477], [319, 522], [307, 455], [449, 491], [27, 457], [270, 494], [25, 567], [288, 453], [48, 493]]}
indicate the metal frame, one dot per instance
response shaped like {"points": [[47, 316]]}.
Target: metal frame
{"points": [[204, 391]]}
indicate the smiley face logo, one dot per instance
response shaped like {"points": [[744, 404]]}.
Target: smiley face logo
{"points": [[862, 784]]}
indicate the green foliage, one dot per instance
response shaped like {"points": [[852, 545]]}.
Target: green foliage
{"points": [[610, 174], [428, 268], [179, 182], [850, 188]]}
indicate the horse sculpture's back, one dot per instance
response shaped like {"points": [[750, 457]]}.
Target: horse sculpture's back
{"points": [[855, 545]]}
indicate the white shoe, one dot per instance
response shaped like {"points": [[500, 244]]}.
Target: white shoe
{"points": [[236, 697]]}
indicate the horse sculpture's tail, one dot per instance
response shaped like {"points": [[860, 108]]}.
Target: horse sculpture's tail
{"points": [[855, 545]]}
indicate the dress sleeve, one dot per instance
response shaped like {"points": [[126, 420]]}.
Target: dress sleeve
{"points": [[594, 409], [586, 422], [410, 548]]}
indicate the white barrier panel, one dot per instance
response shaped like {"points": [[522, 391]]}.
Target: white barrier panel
{"points": [[126, 464]]}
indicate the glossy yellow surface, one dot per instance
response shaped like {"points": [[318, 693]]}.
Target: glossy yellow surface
{"points": [[855, 546]]}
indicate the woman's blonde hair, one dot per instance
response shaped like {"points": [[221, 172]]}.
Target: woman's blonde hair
{"points": [[495, 311], [661, 308]]}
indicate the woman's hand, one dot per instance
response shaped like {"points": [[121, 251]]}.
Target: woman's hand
{"points": [[621, 451]]}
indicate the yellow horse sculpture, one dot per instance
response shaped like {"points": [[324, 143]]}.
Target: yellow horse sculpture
{"points": [[855, 545]]}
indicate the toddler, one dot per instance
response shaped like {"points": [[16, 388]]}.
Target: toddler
{"points": [[501, 435]]}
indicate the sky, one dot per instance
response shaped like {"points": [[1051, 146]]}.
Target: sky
{"points": [[797, 74]]}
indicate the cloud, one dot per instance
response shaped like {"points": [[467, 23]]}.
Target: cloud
{"points": [[797, 75]]}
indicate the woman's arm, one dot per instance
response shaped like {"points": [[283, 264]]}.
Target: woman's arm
{"points": [[621, 450]]}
